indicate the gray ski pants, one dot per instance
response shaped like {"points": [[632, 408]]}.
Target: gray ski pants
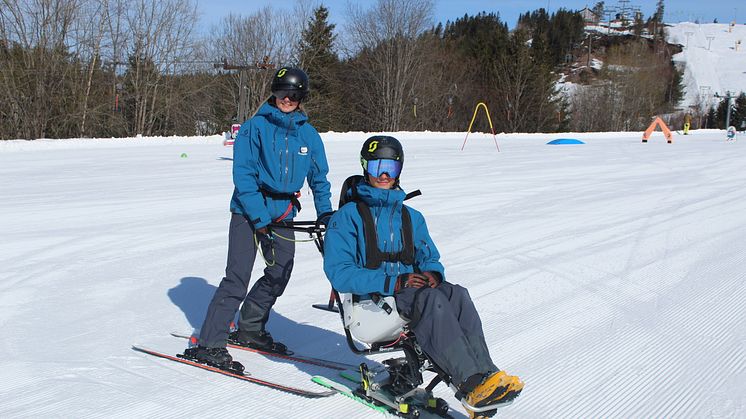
{"points": [[242, 251], [448, 329]]}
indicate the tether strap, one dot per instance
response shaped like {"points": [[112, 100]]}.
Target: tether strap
{"points": [[373, 255], [413, 194]]}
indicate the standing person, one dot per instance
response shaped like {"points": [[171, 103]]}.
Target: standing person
{"points": [[687, 123], [274, 153], [441, 314]]}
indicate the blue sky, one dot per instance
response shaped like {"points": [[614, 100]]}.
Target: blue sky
{"points": [[675, 10]]}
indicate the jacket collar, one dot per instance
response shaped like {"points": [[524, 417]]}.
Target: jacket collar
{"points": [[295, 118], [376, 197]]}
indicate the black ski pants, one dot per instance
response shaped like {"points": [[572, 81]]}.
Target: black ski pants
{"points": [[448, 329], [242, 252]]}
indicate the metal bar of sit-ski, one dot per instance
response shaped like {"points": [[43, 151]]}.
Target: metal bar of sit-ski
{"points": [[309, 227], [294, 223], [328, 306]]}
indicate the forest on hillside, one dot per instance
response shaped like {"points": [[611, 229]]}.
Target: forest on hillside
{"points": [[116, 68]]}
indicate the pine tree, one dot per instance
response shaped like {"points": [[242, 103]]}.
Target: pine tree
{"points": [[482, 37], [721, 114], [659, 8], [638, 24], [738, 115], [658, 17], [480, 42], [540, 46], [675, 90], [526, 88], [711, 118], [598, 10], [321, 63], [566, 31]]}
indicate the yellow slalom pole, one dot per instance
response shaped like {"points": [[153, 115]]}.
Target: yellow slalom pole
{"points": [[489, 119]]}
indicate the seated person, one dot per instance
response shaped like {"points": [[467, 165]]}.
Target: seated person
{"points": [[441, 315]]}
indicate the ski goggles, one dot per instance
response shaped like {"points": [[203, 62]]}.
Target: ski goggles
{"points": [[294, 95], [376, 168]]}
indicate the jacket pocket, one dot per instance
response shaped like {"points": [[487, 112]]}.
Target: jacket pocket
{"points": [[300, 163]]}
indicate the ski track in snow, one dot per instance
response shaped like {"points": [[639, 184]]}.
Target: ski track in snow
{"points": [[609, 276]]}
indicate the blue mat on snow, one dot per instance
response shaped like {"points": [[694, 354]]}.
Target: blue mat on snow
{"points": [[565, 141]]}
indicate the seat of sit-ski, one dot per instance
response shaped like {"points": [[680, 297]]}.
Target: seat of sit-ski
{"points": [[369, 323]]}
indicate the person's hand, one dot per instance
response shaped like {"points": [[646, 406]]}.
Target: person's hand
{"points": [[433, 278], [324, 218], [412, 280], [263, 232]]}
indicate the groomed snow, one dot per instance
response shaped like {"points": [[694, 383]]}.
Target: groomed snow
{"points": [[610, 276]]}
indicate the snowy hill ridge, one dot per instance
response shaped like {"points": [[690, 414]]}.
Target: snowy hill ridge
{"points": [[713, 58]]}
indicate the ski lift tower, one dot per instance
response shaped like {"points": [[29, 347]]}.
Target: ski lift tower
{"points": [[243, 93], [728, 96], [709, 41]]}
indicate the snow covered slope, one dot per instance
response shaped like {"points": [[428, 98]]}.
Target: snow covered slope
{"points": [[714, 59], [610, 276]]}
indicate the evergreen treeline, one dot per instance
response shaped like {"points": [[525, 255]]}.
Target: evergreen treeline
{"points": [[112, 68]]}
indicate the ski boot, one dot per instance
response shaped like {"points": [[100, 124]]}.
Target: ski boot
{"points": [[260, 340], [496, 390], [214, 357]]}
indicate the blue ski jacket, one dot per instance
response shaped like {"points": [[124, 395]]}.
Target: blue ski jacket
{"points": [[344, 244], [275, 152]]}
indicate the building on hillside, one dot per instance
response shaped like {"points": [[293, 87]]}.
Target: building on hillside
{"points": [[589, 16]]}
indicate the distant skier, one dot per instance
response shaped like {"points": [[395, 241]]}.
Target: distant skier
{"points": [[274, 153], [731, 133], [687, 123], [442, 315]]}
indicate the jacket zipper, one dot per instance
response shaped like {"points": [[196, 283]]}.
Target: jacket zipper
{"points": [[391, 229], [318, 168], [287, 158]]}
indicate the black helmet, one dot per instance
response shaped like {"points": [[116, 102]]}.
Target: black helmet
{"points": [[381, 147], [290, 82]]}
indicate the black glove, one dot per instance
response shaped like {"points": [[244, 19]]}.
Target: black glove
{"points": [[324, 218]]}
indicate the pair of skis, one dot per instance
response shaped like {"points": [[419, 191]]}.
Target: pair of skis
{"points": [[245, 376], [340, 366], [333, 387], [241, 376]]}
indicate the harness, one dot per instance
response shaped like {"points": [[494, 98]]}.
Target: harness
{"points": [[373, 255], [292, 197]]}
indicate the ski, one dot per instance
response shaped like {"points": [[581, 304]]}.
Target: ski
{"points": [[339, 366], [433, 408], [348, 392], [243, 376]]}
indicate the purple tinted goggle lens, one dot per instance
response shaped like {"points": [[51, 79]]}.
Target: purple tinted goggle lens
{"points": [[378, 167]]}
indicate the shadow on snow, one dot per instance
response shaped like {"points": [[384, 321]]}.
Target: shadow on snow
{"points": [[193, 294]]}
